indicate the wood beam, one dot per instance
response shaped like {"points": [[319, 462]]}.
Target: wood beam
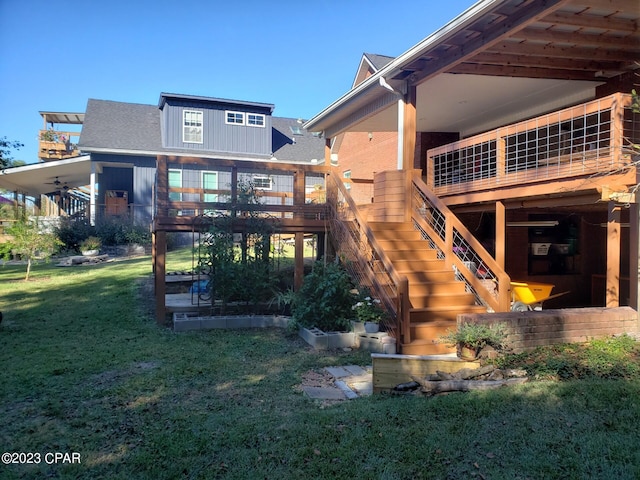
{"points": [[501, 234], [160, 275], [505, 59], [597, 54], [588, 186], [584, 20], [612, 289], [526, 72], [522, 19], [578, 38], [298, 272], [634, 256], [410, 129]]}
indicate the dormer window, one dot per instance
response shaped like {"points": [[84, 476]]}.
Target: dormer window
{"points": [[248, 119], [192, 126], [255, 120], [235, 118]]}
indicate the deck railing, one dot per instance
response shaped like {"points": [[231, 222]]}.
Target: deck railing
{"points": [[365, 260], [57, 145], [582, 140], [461, 251], [190, 187]]}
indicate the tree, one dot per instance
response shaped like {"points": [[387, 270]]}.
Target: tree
{"points": [[6, 145], [31, 242]]}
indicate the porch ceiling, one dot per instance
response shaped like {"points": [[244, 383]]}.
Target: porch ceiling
{"points": [[39, 178], [499, 56]]}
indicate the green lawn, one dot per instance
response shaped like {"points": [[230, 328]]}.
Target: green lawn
{"points": [[85, 370]]}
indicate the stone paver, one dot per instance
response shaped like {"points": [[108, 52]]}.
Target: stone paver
{"points": [[351, 381]]}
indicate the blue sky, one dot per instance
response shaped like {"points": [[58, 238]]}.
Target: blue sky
{"points": [[299, 55]]}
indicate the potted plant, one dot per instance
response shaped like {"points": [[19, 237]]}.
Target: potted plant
{"points": [[469, 338], [369, 312], [90, 246]]}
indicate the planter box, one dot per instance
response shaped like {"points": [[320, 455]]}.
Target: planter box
{"points": [[326, 340]]}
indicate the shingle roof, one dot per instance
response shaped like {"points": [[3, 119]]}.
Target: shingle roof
{"points": [[121, 126], [292, 143], [134, 127], [378, 61]]}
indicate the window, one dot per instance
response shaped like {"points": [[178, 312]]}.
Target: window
{"points": [[347, 174], [210, 182], [175, 181], [235, 118], [262, 183], [192, 126], [255, 120]]}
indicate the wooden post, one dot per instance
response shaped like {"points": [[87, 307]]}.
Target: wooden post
{"points": [[501, 234], [327, 151], [160, 273], [409, 127], [634, 256], [298, 275], [612, 292], [234, 191], [299, 187]]}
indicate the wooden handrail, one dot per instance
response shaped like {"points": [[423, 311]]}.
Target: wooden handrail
{"points": [[502, 302], [455, 171], [401, 284]]}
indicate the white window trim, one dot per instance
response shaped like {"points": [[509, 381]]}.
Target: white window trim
{"points": [[201, 127], [226, 117], [260, 115], [263, 177]]}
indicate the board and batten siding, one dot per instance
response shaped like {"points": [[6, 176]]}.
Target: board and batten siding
{"points": [[218, 136], [143, 182]]}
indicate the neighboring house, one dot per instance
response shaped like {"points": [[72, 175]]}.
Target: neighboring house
{"points": [[516, 116], [124, 140], [111, 169]]}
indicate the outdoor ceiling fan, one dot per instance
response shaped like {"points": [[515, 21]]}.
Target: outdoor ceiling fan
{"points": [[56, 182]]}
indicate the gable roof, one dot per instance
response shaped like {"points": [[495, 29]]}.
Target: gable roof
{"points": [[378, 61], [370, 63]]}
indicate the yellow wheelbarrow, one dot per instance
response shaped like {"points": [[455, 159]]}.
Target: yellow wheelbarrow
{"points": [[530, 295]]}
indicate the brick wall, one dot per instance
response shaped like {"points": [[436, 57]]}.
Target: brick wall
{"points": [[364, 157], [527, 330]]}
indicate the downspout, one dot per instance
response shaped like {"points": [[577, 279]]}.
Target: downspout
{"points": [[384, 84]]}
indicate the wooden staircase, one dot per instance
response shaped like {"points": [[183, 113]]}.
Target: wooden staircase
{"points": [[435, 295]]}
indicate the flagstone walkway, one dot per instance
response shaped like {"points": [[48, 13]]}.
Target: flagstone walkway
{"points": [[345, 383]]}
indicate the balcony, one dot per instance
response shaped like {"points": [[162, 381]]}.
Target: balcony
{"points": [[57, 145], [581, 141]]}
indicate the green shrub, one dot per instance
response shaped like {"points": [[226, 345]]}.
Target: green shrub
{"points": [[325, 299], [73, 232], [5, 250], [120, 231]]}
